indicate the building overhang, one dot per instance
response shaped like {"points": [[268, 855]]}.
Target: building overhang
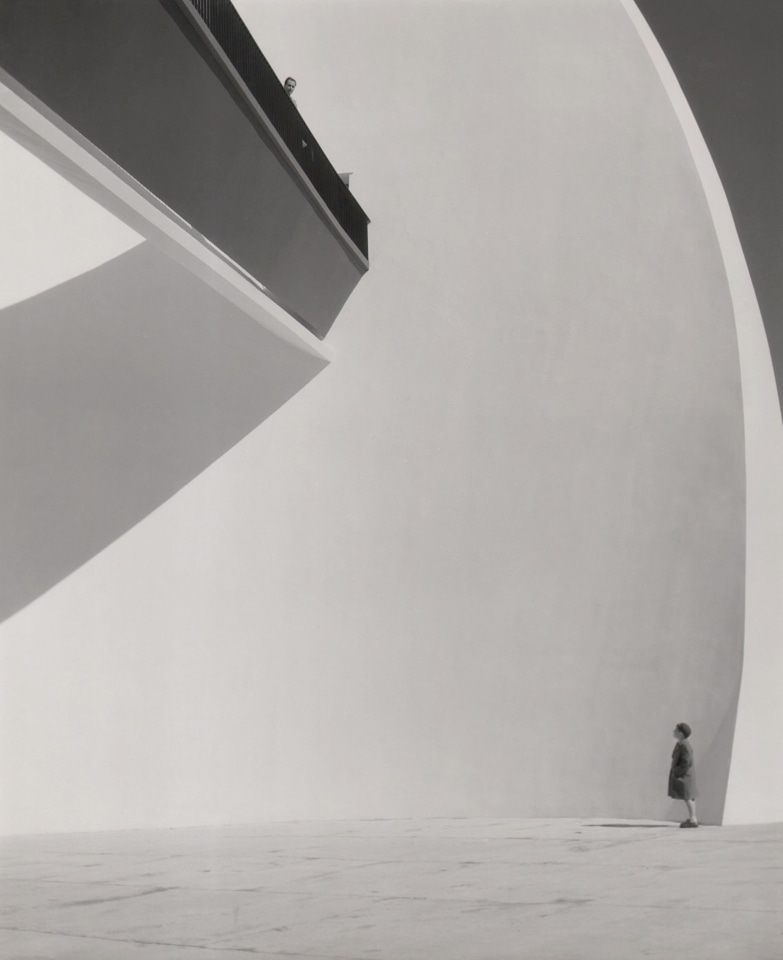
{"points": [[122, 384], [149, 87]]}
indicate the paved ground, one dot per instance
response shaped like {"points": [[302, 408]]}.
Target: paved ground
{"points": [[397, 890]]}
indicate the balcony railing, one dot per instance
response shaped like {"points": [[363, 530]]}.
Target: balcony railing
{"points": [[236, 41]]}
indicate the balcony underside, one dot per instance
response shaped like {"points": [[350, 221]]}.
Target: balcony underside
{"points": [[142, 85]]}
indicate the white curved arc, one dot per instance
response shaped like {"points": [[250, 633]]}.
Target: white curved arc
{"points": [[755, 788]]}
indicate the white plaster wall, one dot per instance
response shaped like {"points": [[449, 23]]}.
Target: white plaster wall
{"points": [[755, 786], [489, 557]]}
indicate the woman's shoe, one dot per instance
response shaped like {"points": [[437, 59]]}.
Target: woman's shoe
{"points": [[689, 823]]}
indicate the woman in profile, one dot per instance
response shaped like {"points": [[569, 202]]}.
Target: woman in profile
{"points": [[682, 783]]}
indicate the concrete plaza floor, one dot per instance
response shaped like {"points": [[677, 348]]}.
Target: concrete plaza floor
{"points": [[397, 890]]}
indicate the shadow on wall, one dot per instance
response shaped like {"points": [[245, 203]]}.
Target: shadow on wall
{"points": [[116, 389]]}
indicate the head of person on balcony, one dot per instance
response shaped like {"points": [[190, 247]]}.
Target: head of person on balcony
{"points": [[290, 86]]}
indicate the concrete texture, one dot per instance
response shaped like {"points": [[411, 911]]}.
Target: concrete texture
{"points": [[397, 890], [508, 517]]}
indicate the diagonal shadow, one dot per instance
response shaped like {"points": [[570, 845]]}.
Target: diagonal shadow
{"points": [[116, 389]]}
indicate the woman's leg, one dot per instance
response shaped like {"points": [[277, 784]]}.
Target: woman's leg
{"points": [[691, 805]]}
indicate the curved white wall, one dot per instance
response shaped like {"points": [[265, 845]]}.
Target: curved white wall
{"points": [[485, 561], [755, 786]]}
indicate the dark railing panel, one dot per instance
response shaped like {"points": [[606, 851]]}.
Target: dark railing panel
{"points": [[236, 41]]}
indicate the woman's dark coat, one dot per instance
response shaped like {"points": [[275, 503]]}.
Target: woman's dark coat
{"points": [[682, 782]]}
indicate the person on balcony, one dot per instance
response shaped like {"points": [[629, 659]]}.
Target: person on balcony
{"points": [[290, 86]]}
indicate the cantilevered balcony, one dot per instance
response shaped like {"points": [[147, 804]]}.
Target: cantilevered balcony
{"points": [[178, 95], [244, 57], [232, 245]]}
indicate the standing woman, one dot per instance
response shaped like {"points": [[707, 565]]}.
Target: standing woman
{"points": [[682, 783]]}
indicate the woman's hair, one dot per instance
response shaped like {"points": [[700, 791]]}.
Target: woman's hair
{"points": [[684, 729]]}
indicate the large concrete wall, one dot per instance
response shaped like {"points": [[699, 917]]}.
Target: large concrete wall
{"points": [[484, 563]]}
